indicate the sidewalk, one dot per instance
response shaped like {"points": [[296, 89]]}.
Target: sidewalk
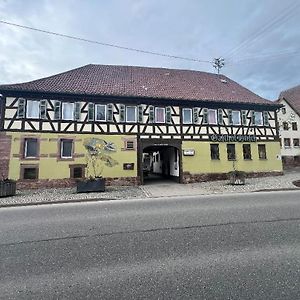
{"points": [[162, 189]]}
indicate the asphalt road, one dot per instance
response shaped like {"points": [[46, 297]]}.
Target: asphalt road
{"points": [[244, 246]]}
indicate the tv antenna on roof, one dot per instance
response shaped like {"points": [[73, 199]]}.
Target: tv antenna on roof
{"points": [[218, 63]]}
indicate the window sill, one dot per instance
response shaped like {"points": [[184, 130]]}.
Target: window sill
{"points": [[65, 159], [231, 159], [215, 159], [30, 158], [263, 159], [249, 159]]}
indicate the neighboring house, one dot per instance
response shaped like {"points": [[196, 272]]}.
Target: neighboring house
{"points": [[194, 125], [289, 126]]}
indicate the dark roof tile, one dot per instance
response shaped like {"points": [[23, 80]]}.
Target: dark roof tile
{"points": [[292, 96], [130, 81]]}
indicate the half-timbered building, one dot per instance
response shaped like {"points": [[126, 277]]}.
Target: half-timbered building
{"points": [[186, 125]]}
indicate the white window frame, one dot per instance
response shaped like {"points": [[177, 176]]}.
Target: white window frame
{"points": [[216, 117], [25, 148], [126, 114], [164, 115], [190, 115], [239, 113], [63, 111], [61, 148], [96, 112], [255, 118], [35, 103]]}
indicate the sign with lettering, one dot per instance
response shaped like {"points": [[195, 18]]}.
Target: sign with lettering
{"points": [[232, 138], [189, 152]]}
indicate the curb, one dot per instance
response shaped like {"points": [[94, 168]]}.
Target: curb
{"points": [[111, 199], [57, 202]]}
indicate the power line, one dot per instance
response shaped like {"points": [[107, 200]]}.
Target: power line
{"points": [[258, 60], [266, 56], [264, 29], [106, 44]]}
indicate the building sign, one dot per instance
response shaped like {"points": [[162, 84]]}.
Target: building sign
{"points": [[232, 138], [189, 152], [128, 166]]}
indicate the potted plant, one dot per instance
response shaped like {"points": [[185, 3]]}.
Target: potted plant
{"points": [[237, 177], [7, 187], [97, 157]]}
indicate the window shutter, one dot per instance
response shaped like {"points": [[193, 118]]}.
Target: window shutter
{"points": [[266, 118], [195, 115], [57, 108], [151, 114], [205, 115], [21, 108], [253, 117], [77, 111], [122, 113], [91, 112], [110, 116], [140, 113], [230, 121], [220, 116], [168, 115], [43, 109]]}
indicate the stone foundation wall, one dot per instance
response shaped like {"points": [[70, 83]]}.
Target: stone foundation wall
{"points": [[5, 146], [290, 161], [193, 178], [63, 183]]}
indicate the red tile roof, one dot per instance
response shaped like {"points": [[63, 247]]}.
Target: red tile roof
{"points": [[292, 96], [130, 81]]}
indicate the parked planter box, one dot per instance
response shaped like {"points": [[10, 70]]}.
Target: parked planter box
{"points": [[7, 188], [88, 186], [237, 177]]}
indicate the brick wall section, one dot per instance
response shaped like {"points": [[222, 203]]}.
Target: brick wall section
{"points": [[5, 146], [63, 183]]}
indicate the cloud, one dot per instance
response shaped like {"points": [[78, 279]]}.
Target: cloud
{"points": [[198, 29]]}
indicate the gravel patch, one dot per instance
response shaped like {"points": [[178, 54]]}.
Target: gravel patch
{"points": [[69, 194], [163, 189]]}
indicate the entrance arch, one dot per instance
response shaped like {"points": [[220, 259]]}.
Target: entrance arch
{"points": [[160, 160]]}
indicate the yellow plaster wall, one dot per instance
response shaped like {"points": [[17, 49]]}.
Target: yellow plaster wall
{"points": [[202, 163], [51, 168]]}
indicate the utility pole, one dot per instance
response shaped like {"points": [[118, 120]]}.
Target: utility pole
{"points": [[218, 63]]}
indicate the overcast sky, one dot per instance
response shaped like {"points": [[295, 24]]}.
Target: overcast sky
{"points": [[265, 35]]}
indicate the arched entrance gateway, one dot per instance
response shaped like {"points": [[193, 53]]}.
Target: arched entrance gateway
{"points": [[160, 160]]}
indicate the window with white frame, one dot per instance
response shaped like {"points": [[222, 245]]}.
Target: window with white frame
{"points": [[236, 117], [296, 142], [68, 111], [66, 148], [30, 148], [100, 112], [212, 116], [257, 118], [159, 114], [130, 114], [186, 116], [33, 109], [287, 142]]}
